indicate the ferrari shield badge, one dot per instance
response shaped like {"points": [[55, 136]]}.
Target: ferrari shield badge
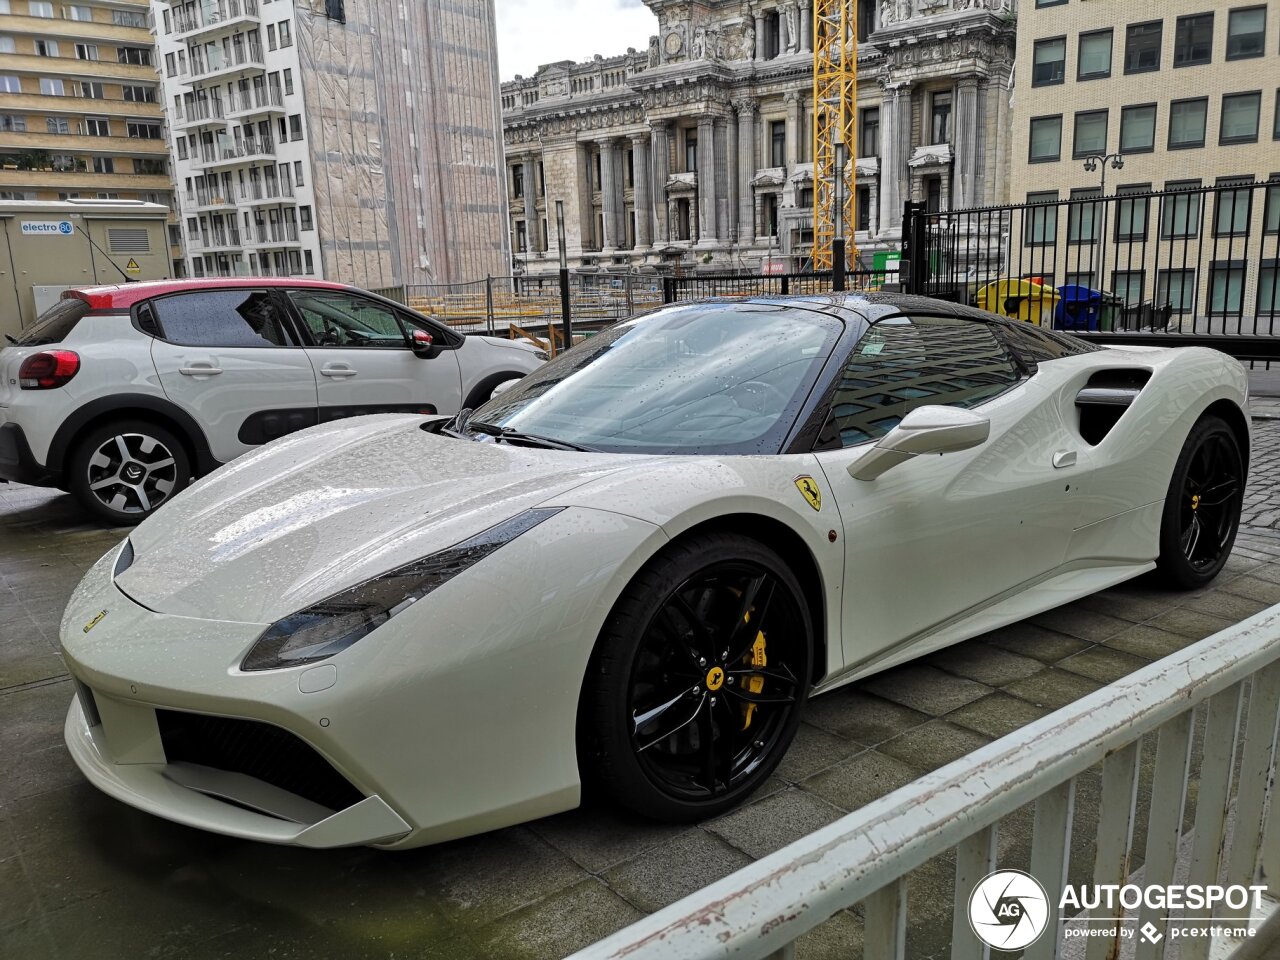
{"points": [[95, 621], [809, 490]]}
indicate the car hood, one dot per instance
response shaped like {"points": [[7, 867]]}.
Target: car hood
{"points": [[321, 510]]}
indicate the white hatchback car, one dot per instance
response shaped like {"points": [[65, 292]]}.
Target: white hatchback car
{"points": [[122, 394]]}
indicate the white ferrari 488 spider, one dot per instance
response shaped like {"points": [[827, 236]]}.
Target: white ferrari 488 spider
{"points": [[633, 567]]}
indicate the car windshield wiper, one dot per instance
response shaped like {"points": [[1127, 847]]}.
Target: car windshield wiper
{"points": [[515, 436]]}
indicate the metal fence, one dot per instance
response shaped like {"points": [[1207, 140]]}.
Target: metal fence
{"points": [[1209, 714], [696, 286], [1201, 260]]}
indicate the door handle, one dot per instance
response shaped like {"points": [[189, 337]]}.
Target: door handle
{"points": [[331, 370], [1064, 458], [200, 370]]}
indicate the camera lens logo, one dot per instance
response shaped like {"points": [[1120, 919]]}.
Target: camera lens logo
{"points": [[1008, 910]]}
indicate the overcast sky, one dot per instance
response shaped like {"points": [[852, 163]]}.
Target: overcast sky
{"points": [[534, 32]]}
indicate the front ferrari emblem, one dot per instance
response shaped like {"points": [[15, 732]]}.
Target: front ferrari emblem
{"points": [[94, 622], [715, 679], [809, 490], [1195, 502]]}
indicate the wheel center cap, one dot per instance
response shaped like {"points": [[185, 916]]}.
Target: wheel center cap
{"points": [[715, 678], [132, 471], [1195, 501]]}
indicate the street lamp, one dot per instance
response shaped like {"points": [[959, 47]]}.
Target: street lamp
{"points": [[564, 275], [1092, 163], [837, 243]]}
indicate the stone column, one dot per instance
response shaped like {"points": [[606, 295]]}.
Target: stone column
{"points": [[707, 180], [792, 152], [968, 141], [759, 36], [608, 196], [660, 171], [643, 194], [746, 168], [723, 176], [806, 27], [532, 228], [895, 151], [732, 231]]}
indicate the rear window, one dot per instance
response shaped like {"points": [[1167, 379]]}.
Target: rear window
{"points": [[55, 324]]}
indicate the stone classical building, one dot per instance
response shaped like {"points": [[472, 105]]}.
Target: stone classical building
{"points": [[698, 150]]}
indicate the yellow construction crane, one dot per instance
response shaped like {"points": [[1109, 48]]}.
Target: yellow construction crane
{"points": [[835, 126]]}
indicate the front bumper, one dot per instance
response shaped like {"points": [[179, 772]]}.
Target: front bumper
{"points": [[17, 463]]}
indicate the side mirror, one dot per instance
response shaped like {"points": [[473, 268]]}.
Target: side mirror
{"points": [[930, 429], [423, 344]]}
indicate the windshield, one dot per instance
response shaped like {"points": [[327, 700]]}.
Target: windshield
{"points": [[704, 378]]}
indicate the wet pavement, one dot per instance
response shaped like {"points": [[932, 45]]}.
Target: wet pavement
{"points": [[82, 875]]}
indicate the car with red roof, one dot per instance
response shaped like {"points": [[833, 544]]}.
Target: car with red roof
{"points": [[123, 394]]}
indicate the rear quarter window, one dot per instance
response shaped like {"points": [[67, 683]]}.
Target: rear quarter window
{"points": [[55, 324]]}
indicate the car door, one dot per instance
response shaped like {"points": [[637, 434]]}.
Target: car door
{"points": [[363, 360], [230, 359], [939, 535]]}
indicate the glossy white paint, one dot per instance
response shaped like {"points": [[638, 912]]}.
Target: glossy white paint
{"points": [[458, 714]]}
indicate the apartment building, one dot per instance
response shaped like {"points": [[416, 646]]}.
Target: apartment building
{"points": [[357, 140], [1163, 95], [80, 110]]}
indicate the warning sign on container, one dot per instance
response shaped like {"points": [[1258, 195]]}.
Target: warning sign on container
{"points": [[132, 266]]}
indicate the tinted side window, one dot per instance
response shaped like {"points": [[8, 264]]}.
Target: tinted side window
{"points": [[1032, 344], [906, 362], [221, 318], [55, 324]]}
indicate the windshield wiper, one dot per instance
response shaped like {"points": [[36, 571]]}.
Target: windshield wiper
{"points": [[515, 436]]}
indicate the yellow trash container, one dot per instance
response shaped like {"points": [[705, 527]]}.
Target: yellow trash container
{"points": [[1020, 300]]}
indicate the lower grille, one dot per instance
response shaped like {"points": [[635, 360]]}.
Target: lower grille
{"points": [[257, 750]]}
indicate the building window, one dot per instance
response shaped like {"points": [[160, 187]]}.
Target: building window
{"points": [[1193, 40], [288, 81], [52, 87], [271, 36], [1232, 208], [1049, 62], [770, 210], [542, 180], [57, 125], [12, 123], [1176, 289], [182, 149], [932, 194], [806, 198], [138, 56], [297, 170], [1129, 285], [295, 126], [1142, 46], [772, 39], [1187, 123], [1085, 218], [150, 166], [1180, 210], [1094, 55], [143, 131], [1046, 139], [1090, 136], [869, 134], [46, 48], [307, 259], [286, 37], [631, 168], [777, 143], [79, 13], [7, 45], [1246, 33], [1226, 287], [304, 216], [690, 152], [1131, 213], [522, 237], [1040, 226], [128, 18], [97, 126], [134, 94], [103, 165], [39, 8], [1271, 215], [940, 118], [170, 65], [1240, 117], [9, 84], [1138, 128], [866, 19], [862, 196], [517, 181]]}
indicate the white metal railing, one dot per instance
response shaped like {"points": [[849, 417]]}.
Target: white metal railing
{"points": [[759, 911]]}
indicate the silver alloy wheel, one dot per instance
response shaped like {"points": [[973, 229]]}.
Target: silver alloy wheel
{"points": [[132, 473]]}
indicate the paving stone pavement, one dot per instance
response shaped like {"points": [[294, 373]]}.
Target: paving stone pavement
{"points": [[84, 876]]}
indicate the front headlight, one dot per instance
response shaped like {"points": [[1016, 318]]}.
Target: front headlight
{"points": [[332, 625]]}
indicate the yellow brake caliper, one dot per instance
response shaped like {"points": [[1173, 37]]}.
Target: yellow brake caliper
{"points": [[755, 683]]}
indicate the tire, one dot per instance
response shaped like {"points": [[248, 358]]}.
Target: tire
{"points": [[679, 631], [483, 390], [154, 453], [1202, 507]]}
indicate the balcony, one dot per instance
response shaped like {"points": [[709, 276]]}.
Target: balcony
{"points": [[272, 234], [215, 62], [39, 104], [215, 18], [232, 152], [208, 200], [202, 113], [268, 191], [72, 68], [228, 238], [263, 99]]}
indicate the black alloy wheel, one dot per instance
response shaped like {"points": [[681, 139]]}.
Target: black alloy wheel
{"points": [[124, 471], [1202, 509], [701, 675]]}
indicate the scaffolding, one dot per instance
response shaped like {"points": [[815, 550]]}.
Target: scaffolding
{"points": [[835, 98]]}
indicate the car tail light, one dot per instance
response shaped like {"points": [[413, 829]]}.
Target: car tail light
{"points": [[48, 369]]}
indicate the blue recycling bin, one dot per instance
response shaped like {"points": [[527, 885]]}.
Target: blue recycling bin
{"points": [[1079, 309]]}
